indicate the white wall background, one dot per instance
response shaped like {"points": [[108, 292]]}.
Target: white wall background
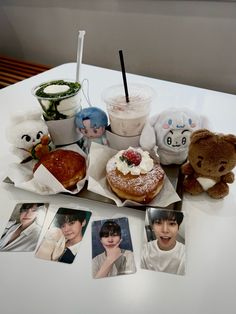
{"points": [[191, 42]]}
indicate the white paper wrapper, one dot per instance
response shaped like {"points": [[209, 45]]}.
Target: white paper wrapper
{"points": [[42, 181], [99, 156]]}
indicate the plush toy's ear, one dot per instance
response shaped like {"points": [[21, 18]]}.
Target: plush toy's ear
{"points": [[205, 123], [200, 134], [230, 138], [148, 138], [20, 116], [153, 120]]}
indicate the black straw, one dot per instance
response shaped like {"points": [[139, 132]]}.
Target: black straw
{"points": [[124, 75]]}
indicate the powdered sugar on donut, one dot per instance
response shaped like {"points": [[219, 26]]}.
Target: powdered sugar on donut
{"points": [[142, 188]]}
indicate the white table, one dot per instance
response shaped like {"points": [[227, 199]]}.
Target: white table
{"points": [[32, 286]]}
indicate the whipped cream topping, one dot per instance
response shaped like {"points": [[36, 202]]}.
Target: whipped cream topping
{"points": [[145, 165], [56, 89]]}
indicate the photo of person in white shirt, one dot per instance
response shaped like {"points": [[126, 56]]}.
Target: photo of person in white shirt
{"points": [[164, 253], [23, 229], [114, 255]]}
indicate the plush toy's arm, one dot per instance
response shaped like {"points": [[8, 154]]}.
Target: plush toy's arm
{"points": [[187, 169], [228, 177]]}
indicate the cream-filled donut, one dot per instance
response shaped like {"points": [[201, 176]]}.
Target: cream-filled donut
{"points": [[133, 175]]}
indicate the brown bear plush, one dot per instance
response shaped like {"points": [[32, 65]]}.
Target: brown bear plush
{"points": [[211, 157]]}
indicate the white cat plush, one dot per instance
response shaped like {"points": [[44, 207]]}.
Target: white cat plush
{"points": [[167, 134], [29, 136]]}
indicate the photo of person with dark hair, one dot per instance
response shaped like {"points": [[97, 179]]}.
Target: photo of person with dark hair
{"points": [[23, 229], [62, 240], [113, 246], [163, 252]]}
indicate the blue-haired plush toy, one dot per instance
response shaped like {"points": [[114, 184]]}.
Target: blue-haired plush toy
{"points": [[91, 122]]}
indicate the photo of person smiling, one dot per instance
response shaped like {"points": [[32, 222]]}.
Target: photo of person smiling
{"points": [[116, 257], [164, 253]]}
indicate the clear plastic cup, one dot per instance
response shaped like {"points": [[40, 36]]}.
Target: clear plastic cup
{"points": [[59, 99], [128, 119]]}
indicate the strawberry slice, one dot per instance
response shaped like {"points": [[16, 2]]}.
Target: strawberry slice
{"points": [[131, 157]]}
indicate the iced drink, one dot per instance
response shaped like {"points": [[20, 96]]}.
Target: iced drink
{"points": [[59, 99], [128, 119]]}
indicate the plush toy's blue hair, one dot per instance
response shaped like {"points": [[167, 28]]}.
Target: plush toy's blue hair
{"points": [[96, 116]]}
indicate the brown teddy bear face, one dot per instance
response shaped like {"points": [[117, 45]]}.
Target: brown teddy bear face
{"points": [[212, 156]]}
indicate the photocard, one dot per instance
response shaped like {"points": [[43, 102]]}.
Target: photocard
{"points": [[62, 240], [164, 243], [23, 228], [112, 250]]}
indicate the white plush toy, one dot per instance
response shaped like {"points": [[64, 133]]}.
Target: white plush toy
{"points": [[28, 135], [167, 134]]}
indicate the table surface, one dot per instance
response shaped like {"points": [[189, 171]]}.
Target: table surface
{"points": [[29, 285]]}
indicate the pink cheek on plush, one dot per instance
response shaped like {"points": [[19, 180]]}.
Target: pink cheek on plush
{"points": [[165, 126], [193, 125]]}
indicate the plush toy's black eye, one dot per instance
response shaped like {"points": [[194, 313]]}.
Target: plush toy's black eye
{"points": [[169, 140], [222, 168], [26, 137], [39, 134], [184, 140], [199, 164]]}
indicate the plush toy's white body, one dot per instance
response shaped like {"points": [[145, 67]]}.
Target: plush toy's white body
{"points": [[24, 132], [168, 134]]}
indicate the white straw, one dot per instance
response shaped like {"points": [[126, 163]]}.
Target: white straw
{"points": [[79, 54]]}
